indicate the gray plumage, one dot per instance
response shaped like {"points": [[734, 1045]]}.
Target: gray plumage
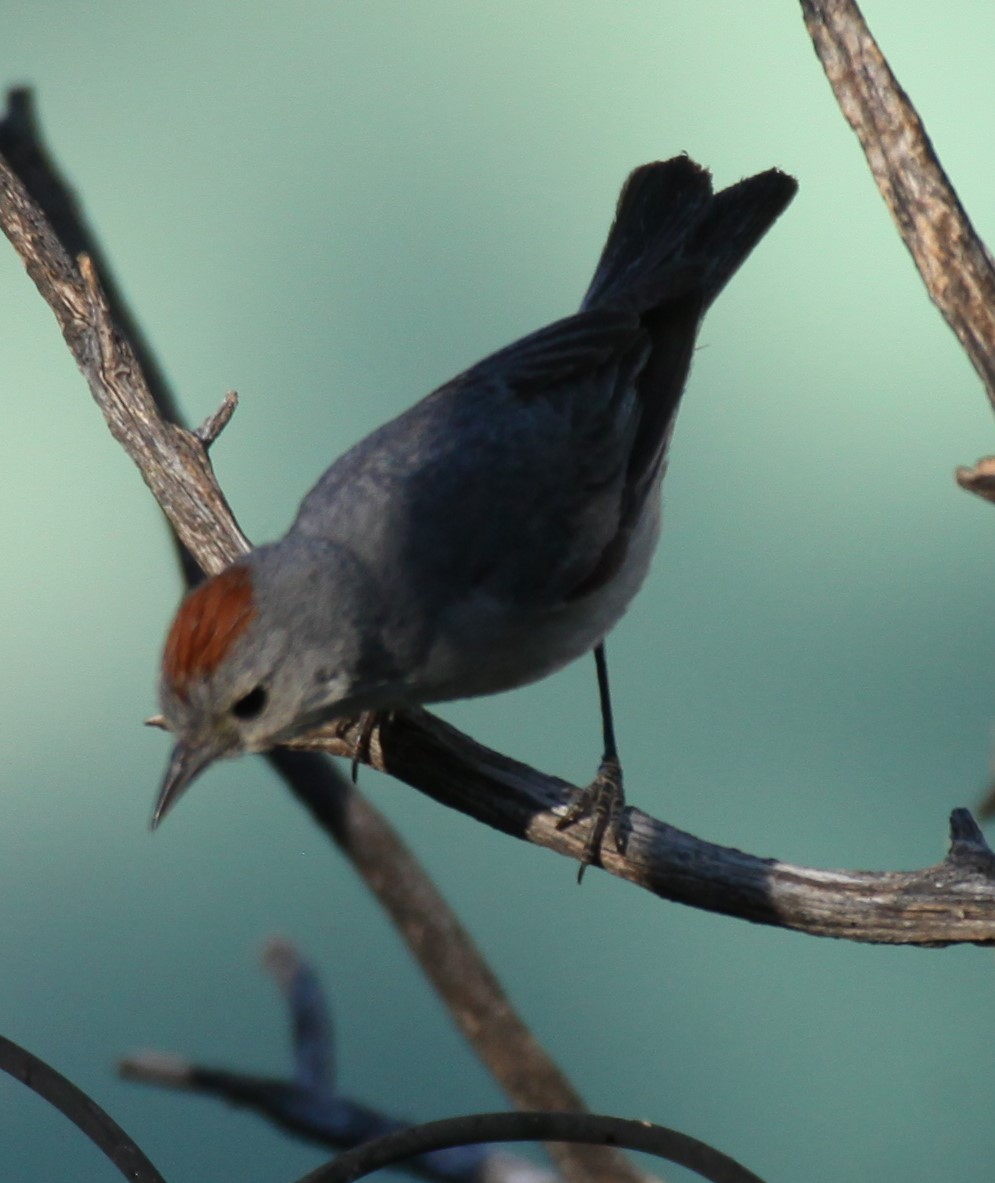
{"points": [[495, 531], [528, 485]]}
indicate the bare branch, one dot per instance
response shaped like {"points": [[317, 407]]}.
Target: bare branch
{"points": [[216, 422], [310, 1105], [589, 1128], [81, 1110], [953, 902], [172, 461], [954, 263], [195, 506]]}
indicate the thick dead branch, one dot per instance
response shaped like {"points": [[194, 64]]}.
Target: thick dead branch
{"points": [[954, 263], [951, 902]]}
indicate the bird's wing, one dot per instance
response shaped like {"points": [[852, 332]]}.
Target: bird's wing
{"points": [[527, 475], [510, 477]]}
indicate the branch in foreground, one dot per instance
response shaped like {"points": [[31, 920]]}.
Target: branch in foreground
{"points": [[194, 504], [309, 1106], [81, 1110], [953, 261], [588, 1128], [129, 388]]}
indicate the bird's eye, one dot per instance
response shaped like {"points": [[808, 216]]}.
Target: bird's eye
{"points": [[251, 705]]}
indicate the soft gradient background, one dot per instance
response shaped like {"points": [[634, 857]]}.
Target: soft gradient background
{"points": [[332, 207]]}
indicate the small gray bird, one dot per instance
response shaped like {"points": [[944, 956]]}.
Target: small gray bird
{"points": [[492, 533]]}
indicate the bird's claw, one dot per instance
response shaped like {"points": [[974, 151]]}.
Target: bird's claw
{"points": [[368, 721], [603, 801]]}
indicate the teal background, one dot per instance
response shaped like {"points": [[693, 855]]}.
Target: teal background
{"points": [[332, 207]]}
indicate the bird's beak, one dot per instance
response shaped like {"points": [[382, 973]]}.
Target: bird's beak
{"points": [[185, 765]]}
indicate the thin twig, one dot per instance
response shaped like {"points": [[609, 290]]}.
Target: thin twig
{"points": [[218, 420], [310, 1103]]}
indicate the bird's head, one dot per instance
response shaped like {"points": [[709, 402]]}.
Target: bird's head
{"points": [[257, 654]]}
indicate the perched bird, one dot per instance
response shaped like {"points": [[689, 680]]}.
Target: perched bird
{"points": [[492, 533]]}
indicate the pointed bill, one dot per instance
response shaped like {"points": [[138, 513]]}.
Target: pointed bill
{"points": [[185, 765]]}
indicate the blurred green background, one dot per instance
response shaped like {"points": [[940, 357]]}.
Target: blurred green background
{"points": [[332, 207]]}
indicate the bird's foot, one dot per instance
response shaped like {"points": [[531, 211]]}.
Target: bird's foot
{"points": [[368, 721], [603, 802]]}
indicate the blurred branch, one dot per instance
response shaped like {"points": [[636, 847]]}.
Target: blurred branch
{"points": [[443, 948], [309, 1105], [456, 1150], [590, 1128], [83, 1112], [130, 391], [954, 263]]}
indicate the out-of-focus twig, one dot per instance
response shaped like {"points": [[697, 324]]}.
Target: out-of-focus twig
{"points": [[451, 1151], [309, 1105]]}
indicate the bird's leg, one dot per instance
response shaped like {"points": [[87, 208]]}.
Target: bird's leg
{"points": [[603, 799]]}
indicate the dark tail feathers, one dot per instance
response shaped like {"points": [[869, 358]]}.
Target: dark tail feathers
{"points": [[671, 235]]}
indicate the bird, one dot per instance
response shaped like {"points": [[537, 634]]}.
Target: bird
{"points": [[492, 533]]}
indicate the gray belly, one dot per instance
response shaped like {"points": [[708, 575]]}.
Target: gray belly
{"points": [[484, 646]]}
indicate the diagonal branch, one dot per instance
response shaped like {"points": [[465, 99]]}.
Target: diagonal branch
{"points": [[954, 263], [128, 387], [173, 461]]}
